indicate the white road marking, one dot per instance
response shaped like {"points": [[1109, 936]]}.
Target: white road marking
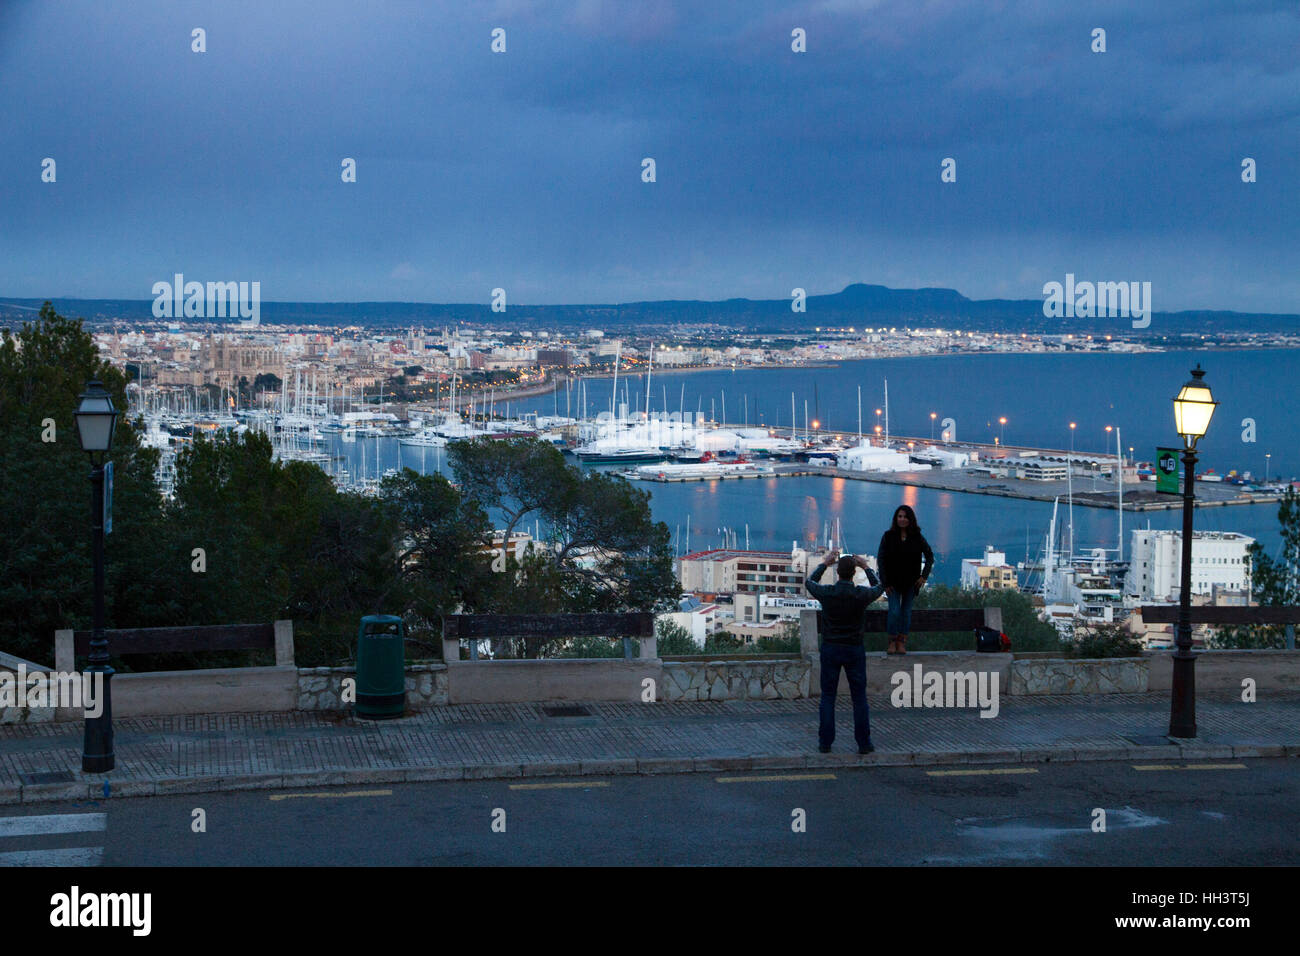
{"points": [[72, 856], [52, 823]]}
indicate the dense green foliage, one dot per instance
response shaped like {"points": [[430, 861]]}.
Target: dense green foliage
{"points": [[45, 561], [1093, 640], [671, 638], [602, 551]]}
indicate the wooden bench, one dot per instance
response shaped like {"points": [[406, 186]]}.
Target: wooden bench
{"points": [[1287, 615], [639, 625], [278, 637], [205, 690]]}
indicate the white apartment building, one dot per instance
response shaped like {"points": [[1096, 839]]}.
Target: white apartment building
{"points": [[727, 571], [760, 608], [1219, 560]]}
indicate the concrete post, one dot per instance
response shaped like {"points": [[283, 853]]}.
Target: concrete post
{"points": [[993, 618], [284, 644], [809, 649], [649, 647], [64, 652], [808, 632], [450, 649]]}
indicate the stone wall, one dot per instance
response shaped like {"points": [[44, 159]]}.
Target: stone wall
{"points": [[26, 715], [319, 688], [1119, 675], [1224, 670], [735, 680]]}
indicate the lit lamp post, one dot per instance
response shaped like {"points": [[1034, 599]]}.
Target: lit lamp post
{"points": [[1193, 408], [96, 419], [1003, 433], [933, 416]]}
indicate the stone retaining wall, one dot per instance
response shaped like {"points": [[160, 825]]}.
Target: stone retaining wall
{"points": [[319, 688], [26, 715], [735, 680], [1120, 675]]}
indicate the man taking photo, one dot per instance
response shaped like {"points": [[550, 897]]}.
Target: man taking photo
{"points": [[843, 606]]}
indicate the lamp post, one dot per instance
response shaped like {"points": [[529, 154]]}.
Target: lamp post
{"points": [[1003, 433], [1268, 460], [933, 416], [1069, 483], [96, 420], [1193, 408]]}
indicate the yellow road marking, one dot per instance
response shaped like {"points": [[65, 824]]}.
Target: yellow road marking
{"points": [[1190, 766], [785, 776], [559, 786], [334, 796], [979, 773]]}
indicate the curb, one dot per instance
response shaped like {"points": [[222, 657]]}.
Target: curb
{"points": [[87, 786]]}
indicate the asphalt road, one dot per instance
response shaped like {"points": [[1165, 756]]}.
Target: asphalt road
{"points": [[1186, 814]]}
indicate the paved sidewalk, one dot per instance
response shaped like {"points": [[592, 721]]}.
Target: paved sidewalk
{"points": [[204, 753]]}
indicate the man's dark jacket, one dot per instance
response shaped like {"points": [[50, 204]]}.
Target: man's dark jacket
{"points": [[843, 607]]}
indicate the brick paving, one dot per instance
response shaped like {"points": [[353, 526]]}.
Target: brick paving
{"points": [[196, 753]]}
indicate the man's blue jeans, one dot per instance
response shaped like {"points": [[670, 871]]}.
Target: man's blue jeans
{"points": [[853, 658]]}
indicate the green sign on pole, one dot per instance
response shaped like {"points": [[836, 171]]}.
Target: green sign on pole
{"points": [[1167, 471]]}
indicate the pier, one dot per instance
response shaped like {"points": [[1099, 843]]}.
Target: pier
{"points": [[1137, 496], [1089, 491]]}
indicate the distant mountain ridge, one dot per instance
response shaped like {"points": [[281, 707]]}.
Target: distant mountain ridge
{"points": [[857, 305]]}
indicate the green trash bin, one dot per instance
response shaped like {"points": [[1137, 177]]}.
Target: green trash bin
{"points": [[381, 670]]}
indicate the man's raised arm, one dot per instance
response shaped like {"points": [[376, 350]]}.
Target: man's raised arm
{"points": [[820, 590]]}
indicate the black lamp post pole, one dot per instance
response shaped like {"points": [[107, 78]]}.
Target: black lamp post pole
{"points": [[97, 753], [1182, 715]]}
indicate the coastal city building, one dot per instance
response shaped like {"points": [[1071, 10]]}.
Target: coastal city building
{"points": [[1219, 560], [989, 573], [728, 572]]}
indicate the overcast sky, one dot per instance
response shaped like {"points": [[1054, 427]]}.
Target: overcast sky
{"points": [[775, 169]]}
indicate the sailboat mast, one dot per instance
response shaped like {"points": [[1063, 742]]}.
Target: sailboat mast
{"points": [[613, 401], [1119, 484]]}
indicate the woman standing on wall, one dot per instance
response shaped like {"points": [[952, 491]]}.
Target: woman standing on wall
{"points": [[905, 561]]}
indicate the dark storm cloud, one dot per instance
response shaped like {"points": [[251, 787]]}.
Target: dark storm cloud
{"points": [[775, 169]]}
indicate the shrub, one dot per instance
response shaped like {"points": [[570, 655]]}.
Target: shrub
{"points": [[1103, 640], [673, 639]]}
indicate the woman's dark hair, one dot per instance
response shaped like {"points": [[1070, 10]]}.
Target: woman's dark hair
{"points": [[912, 524]]}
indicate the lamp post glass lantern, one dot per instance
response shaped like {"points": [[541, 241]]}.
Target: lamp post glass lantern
{"points": [[96, 421], [1193, 408]]}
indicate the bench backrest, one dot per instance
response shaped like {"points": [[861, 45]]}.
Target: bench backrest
{"points": [[278, 637], [1205, 614]]}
